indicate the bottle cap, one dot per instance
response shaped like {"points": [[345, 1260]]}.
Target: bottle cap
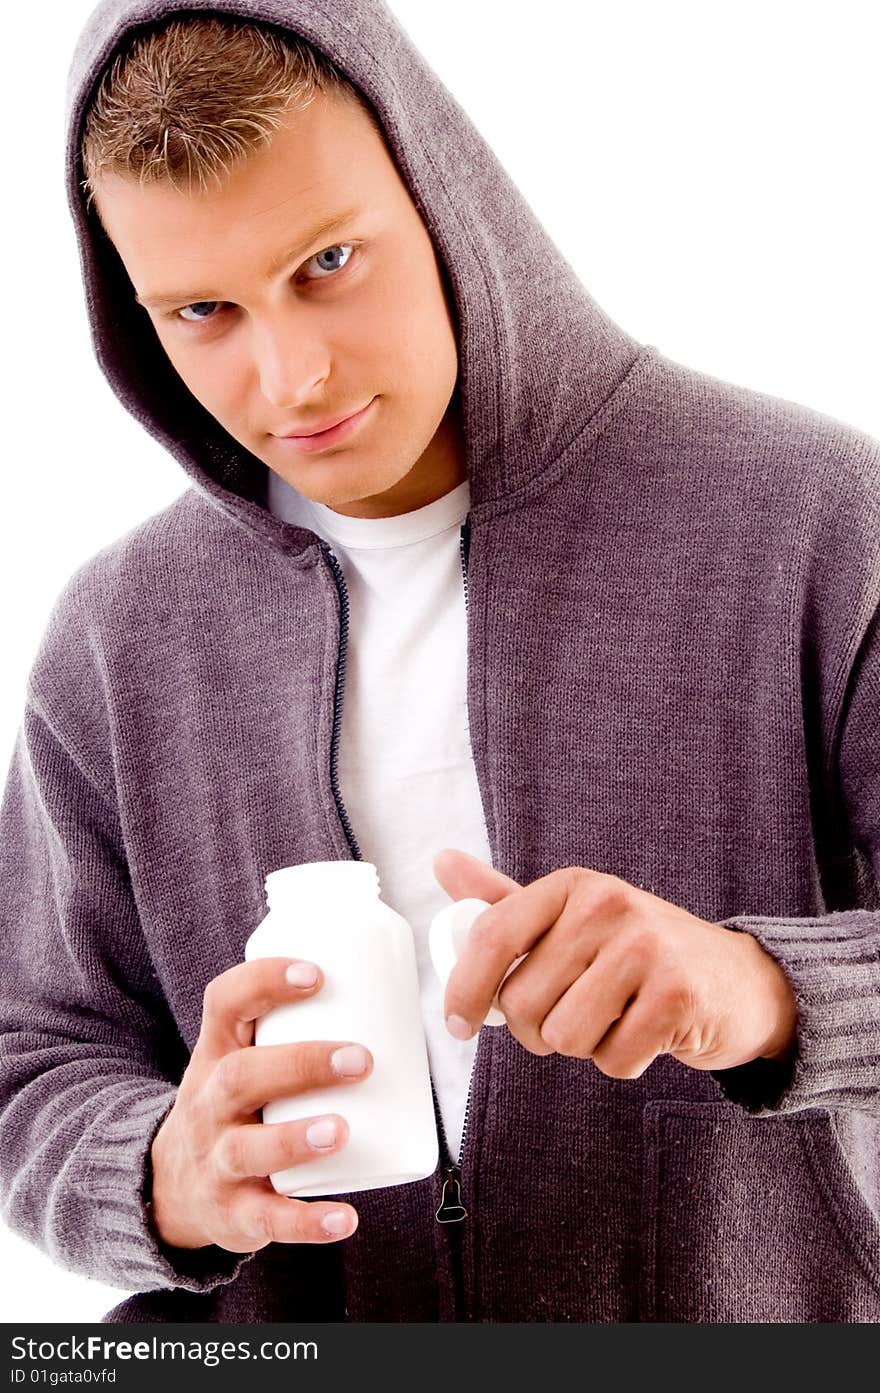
{"points": [[446, 938]]}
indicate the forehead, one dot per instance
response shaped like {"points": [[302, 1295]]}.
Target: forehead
{"points": [[323, 160]]}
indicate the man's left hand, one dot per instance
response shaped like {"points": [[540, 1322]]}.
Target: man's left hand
{"points": [[613, 973]]}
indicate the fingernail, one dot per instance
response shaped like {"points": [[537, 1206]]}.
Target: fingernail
{"points": [[321, 1133], [458, 1026], [337, 1222], [349, 1060], [302, 974]]}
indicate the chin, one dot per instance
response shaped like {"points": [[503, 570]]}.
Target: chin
{"points": [[344, 488]]}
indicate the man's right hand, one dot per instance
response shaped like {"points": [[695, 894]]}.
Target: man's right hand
{"points": [[212, 1155]]}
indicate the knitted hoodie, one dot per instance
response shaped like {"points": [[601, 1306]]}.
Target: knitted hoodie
{"points": [[673, 677]]}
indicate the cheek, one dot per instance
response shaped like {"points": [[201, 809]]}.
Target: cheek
{"points": [[409, 320], [212, 377], [435, 321]]}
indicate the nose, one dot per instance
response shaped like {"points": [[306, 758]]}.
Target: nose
{"points": [[290, 362]]}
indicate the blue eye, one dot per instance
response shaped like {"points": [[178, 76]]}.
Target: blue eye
{"points": [[340, 247], [198, 305], [319, 257]]}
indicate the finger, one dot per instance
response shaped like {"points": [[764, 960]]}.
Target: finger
{"points": [[259, 1216], [595, 1000], [632, 1043], [532, 990], [235, 999], [262, 1148], [463, 877], [246, 1079], [498, 936]]}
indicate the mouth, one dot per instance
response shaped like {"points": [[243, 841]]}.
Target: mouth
{"points": [[330, 435]]}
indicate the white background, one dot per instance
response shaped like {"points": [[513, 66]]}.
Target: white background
{"points": [[709, 170]]}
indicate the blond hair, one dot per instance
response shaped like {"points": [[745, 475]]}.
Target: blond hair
{"points": [[189, 99]]}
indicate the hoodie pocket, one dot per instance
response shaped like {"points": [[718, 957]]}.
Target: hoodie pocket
{"points": [[754, 1219]]}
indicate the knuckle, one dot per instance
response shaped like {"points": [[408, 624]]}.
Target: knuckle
{"points": [[230, 1154], [605, 1065], [233, 1224], [612, 894], [513, 1000], [530, 1041], [570, 877], [606, 1068], [310, 1063], [307, 1065], [641, 947], [243, 1022], [260, 1226], [670, 1001], [584, 894], [633, 1069], [211, 996], [229, 1073], [486, 927], [614, 1068], [614, 1060], [554, 1034]]}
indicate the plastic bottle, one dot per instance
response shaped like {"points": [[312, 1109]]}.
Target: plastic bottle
{"points": [[330, 913]]}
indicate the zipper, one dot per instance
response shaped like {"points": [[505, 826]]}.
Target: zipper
{"points": [[451, 1210], [338, 696], [464, 546]]}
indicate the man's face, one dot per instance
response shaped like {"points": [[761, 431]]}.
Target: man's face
{"points": [[277, 326]]}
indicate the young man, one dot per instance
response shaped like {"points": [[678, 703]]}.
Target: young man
{"points": [[553, 621]]}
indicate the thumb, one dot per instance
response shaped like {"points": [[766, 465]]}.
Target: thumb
{"points": [[463, 877]]}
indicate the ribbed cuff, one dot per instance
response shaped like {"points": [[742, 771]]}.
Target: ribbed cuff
{"points": [[114, 1184], [833, 965]]}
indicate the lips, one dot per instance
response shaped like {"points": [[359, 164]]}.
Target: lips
{"points": [[318, 442], [329, 424]]}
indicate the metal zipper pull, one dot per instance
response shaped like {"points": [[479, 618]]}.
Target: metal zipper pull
{"points": [[451, 1210]]}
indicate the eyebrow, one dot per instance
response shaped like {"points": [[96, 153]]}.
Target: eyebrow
{"points": [[162, 300]]}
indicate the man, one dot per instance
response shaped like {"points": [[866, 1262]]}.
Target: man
{"points": [[581, 631]]}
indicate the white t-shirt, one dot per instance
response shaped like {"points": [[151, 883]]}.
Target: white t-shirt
{"points": [[405, 766]]}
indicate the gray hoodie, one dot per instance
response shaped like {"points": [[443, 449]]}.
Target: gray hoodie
{"points": [[673, 676]]}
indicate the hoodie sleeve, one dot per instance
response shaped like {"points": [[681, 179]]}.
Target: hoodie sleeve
{"points": [[832, 961], [89, 1052]]}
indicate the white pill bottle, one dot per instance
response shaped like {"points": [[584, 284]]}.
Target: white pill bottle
{"points": [[330, 913]]}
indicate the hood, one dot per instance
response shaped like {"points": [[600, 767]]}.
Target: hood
{"points": [[537, 356]]}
